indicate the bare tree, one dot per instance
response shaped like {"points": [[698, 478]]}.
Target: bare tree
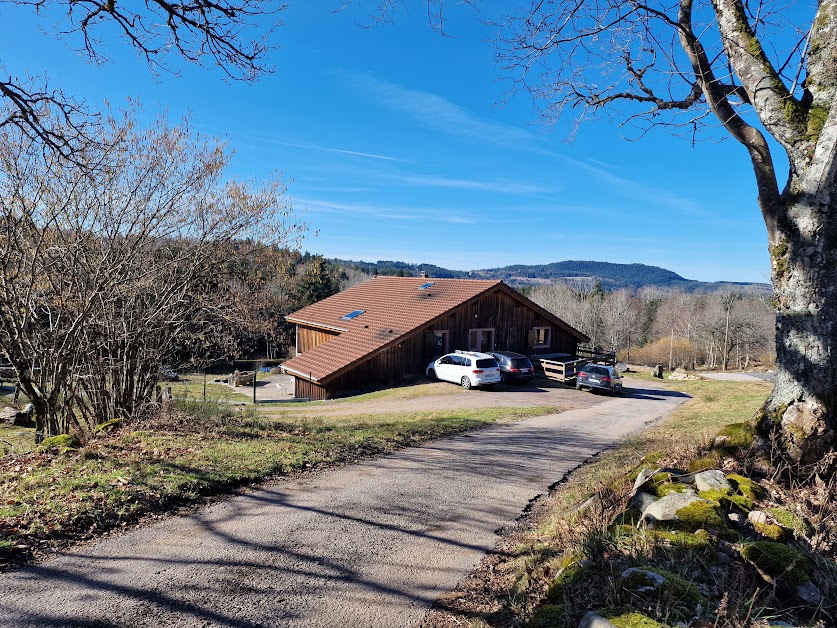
{"points": [[104, 269], [228, 34], [753, 68]]}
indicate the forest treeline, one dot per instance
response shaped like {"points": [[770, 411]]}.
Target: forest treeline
{"points": [[612, 276], [727, 329]]}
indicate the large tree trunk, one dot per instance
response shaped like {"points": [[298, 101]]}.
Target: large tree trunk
{"points": [[802, 410]]}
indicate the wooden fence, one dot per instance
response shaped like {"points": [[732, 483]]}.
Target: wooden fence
{"points": [[563, 370]]}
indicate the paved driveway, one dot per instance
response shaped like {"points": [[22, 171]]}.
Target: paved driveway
{"points": [[372, 544]]}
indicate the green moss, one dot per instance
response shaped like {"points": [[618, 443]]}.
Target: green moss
{"points": [[817, 117], [746, 487], [728, 501], [667, 488], [634, 620], [790, 521], [769, 530], [547, 616], [735, 436], [62, 443], [700, 514], [781, 562], [107, 426], [779, 255]]}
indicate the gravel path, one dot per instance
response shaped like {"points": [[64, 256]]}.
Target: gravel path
{"points": [[372, 544]]}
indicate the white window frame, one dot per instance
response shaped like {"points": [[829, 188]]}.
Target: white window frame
{"points": [[480, 329], [547, 336]]}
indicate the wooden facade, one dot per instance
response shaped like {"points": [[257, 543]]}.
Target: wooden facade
{"points": [[308, 338], [499, 320]]}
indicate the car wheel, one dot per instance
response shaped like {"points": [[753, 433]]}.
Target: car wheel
{"points": [[431, 375], [578, 386], [503, 377], [466, 383]]}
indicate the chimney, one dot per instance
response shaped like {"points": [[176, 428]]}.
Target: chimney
{"points": [[423, 274]]}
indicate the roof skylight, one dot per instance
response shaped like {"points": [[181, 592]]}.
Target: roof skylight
{"points": [[425, 286], [352, 314]]}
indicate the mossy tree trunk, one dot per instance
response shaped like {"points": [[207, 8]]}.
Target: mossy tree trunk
{"points": [[741, 67], [802, 409]]}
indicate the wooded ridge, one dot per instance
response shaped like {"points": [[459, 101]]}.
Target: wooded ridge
{"points": [[612, 276]]}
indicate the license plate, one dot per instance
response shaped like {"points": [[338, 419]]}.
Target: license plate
{"points": [[593, 379], [524, 370]]}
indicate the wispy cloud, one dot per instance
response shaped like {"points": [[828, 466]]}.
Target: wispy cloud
{"points": [[509, 187], [330, 149], [440, 113], [342, 190], [391, 213]]}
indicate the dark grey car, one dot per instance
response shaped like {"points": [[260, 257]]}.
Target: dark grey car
{"points": [[514, 367], [598, 376]]}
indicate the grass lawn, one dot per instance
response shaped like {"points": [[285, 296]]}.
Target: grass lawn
{"points": [[198, 450], [190, 387]]}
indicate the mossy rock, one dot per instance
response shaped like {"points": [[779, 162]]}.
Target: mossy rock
{"points": [[634, 620], [786, 565], [727, 501], [790, 521], [746, 487], [700, 514], [666, 488], [769, 530], [735, 436], [107, 426], [61, 443], [548, 616]]}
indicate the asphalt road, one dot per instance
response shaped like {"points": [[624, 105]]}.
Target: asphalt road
{"points": [[372, 544]]}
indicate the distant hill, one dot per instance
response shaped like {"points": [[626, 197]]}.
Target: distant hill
{"points": [[612, 276]]}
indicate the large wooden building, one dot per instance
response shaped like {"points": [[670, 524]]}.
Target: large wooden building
{"points": [[376, 333]]}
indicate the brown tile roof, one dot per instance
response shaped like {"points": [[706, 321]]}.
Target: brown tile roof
{"points": [[393, 307]]}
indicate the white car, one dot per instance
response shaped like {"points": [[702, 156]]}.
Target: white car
{"points": [[468, 368]]}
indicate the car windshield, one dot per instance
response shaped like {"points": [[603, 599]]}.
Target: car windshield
{"points": [[486, 363], [521, 363], [596, 370]]}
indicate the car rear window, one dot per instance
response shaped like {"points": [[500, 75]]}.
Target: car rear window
{"points": [[521, 363], [486, 363], [596, 370]]}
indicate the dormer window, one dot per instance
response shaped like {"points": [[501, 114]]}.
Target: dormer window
{"points": [[353, 314]]}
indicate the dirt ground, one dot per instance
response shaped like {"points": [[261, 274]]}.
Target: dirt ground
{"points": [[450, 396]]}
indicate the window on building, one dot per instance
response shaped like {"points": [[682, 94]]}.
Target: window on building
{"points": [[540, 337], [481, 340], [352, 314]]}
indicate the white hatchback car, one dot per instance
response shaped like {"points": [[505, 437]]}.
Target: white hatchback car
{"points": [[468, 368]]}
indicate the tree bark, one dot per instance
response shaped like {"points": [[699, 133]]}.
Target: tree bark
{"points": [[802, 409]]}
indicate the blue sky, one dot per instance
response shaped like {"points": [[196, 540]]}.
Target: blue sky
{"points": [[397, 146]]}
